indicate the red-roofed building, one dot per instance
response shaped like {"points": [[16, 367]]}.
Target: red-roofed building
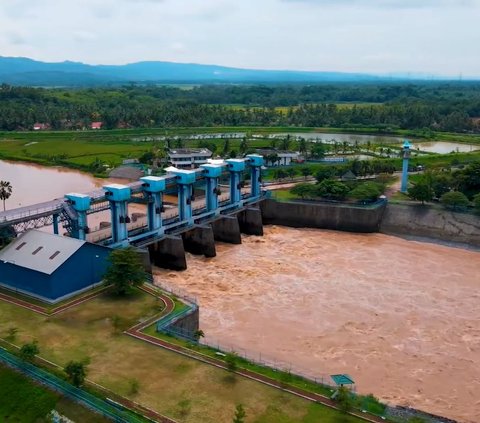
{"points": [[96, 125], [41, 126]]}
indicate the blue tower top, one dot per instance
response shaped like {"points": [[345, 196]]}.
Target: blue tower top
{"points": [[406, 145], [255, 159], [185, 177], [117, 192], [80, 202], [153, 183], [237, 165], [212, 170]]}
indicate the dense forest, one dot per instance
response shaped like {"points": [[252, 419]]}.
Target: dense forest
{"points": [[434, 106]]}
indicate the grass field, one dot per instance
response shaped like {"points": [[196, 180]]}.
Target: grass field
{"points": [[184, 389], [79, 149], [23, 401]]}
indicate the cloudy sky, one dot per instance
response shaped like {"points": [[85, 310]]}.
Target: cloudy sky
{"points": [[376, 36]]}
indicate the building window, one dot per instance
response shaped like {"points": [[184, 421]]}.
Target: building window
{"points": [[21, 245], [55, 254], [36, 251]]}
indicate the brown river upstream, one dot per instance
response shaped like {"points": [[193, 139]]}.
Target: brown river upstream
{"points": [[401, 317]]}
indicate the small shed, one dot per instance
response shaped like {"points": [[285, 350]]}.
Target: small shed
{"points": [[51, 267], [342, 380], [349, 176]]}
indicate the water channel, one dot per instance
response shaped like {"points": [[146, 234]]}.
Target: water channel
{"points": [[401, 317]]}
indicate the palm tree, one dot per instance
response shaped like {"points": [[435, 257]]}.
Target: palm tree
{"points": [[5, 191], [244, 145]]}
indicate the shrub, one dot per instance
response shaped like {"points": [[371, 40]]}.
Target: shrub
{"points": [[454, 200], [29, 351], [368, 191], [332, 189]]}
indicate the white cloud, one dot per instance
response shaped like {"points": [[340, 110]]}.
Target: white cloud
{"points": [[381, 36]]}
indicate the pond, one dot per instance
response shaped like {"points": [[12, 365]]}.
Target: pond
{"points": [[445, 147]]}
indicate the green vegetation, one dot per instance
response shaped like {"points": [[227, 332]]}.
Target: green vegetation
{"points": [[366, 192], [231, 361], [454, 187], [476, 202], [421, 191], [285, 377], [334, 190], [240, 414], [29, 351], [76, 372], [125, 271], [422, 107], [87, 331], [23, 401], [5, 192], [454, 200], [345, 399]]}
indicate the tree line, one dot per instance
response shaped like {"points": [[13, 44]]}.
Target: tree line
{"points": [[443, 107]]}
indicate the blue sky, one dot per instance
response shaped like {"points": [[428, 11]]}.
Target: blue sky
{"points": [[439, 37]]}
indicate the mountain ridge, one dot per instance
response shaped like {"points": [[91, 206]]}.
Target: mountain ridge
{"points": [[27, 71]]}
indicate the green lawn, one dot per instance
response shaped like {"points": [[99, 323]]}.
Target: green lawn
{"points": [[169, 383], [22, 400], [78, 149]]}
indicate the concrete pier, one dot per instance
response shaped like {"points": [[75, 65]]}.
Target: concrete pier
{"points": [[227, 229], [250, 221], [168, 253], [144, 256], [200, 240]]}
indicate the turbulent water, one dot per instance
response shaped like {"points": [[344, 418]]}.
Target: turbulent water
{"points": [[401, 317]]}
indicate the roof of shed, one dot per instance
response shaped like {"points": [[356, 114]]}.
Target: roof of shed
{"points": [[40, 251]]}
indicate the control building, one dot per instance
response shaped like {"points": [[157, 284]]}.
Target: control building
{"points": [[51, 267]]}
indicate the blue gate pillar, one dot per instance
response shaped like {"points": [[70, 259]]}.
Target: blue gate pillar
{"points": [[256, 163], [212, 172], [81, 204], [55, 224], [406, 157], [154, 187], [118, 196], [236, 168], [185, 180]]}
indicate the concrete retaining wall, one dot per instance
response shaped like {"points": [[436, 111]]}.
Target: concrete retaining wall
{"points": [[322, 215], [425, 221], [187, 326]]}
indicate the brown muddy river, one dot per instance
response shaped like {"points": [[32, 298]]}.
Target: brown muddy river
{"points": [[401, 317]]}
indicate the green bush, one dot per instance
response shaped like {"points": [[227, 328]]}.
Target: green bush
{"points": [[368, 191], [476, 203], [331, 189], [454, 200]]}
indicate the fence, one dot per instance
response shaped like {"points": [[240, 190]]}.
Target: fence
{"points": [[98, 405], [265, 361]]}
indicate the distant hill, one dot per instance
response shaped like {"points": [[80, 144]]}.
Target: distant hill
{"points": [[24, 71]]}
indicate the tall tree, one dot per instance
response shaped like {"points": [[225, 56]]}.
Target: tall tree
{"points": [[5, 191], [76, 371], [421, 191], [244, 145], [302, 147], [125, 270]]}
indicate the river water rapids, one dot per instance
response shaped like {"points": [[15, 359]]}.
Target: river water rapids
{"points": [[401, 317]]}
